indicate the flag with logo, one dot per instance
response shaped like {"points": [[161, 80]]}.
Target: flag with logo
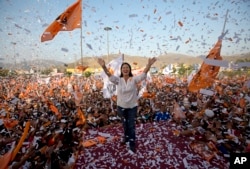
{"points": [[69, 20], [207, 73], [142, 86], [114, 68]]}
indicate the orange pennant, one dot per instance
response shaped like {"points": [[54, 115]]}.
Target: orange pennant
{"points": [[206, 75], [148, 95], [5, 159], [242, 103], [10, 123], [101, 139], [69, 20], [89, 143], [54, 109], [170, 80], [82, 68], [82, 119], [180, 24]]}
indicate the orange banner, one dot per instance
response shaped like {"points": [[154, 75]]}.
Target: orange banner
{"points": [[54, 109], [69, 20], [206, 75], [82, 119], [5, 159]]}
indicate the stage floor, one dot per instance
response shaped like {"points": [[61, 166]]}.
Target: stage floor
{"points": [[157, 147]]}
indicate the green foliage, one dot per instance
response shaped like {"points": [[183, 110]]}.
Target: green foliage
{"points": [[236, 73], [242, 60], [174, 70], [68, 74], [182, 70], [4, 72], [87, 74], [163, 66], [46, 71]]}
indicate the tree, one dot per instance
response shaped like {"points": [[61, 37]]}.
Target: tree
{"points": [[87, 73], [4, 72], [189, 69], [174, 70], [46, 71], [68, 74], [182, 70]]}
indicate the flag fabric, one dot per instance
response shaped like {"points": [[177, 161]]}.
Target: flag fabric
{"points": [[142, 86], [170, 80], [54, 109], [221, 63], [82, 68], [207, 73], [6, 158], [82, 118], [114, 68], [10, 123], [190, 77], [69, 20]]}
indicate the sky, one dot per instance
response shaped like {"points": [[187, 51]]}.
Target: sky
{"points": [[146, 28]]}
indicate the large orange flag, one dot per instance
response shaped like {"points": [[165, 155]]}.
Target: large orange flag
{"points": [[206, 75], [70, 19]]}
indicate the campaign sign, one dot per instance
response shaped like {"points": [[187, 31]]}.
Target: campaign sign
{"points": [[239, 160]]}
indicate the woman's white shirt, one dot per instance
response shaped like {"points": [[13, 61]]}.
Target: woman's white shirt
{"points": [[127, 91]]}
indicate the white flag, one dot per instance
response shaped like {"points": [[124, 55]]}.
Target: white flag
{"points": [[114, 67]]}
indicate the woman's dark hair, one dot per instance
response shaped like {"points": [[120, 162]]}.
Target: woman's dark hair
{"points": [[130, 70]]}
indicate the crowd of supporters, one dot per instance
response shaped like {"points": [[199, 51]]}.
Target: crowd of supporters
{"points": [[43, 120]]}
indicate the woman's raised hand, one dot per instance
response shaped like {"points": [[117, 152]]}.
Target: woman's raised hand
{"points": [[151, 61], [101, 62]]}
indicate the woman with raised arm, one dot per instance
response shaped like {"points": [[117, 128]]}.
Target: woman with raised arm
{"points": [[127, 97]]}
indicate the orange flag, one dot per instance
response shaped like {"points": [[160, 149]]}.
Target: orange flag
{"points": [[148, 95], [69, 20], [5, 159], [170, 80], [82, 119], [206, 75], [54, 109], [82, 68], [10, 123]]}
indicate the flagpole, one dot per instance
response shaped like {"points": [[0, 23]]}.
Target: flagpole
{"points": [[107, 29], [224, 23], [81, 34], [81, 47]]}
